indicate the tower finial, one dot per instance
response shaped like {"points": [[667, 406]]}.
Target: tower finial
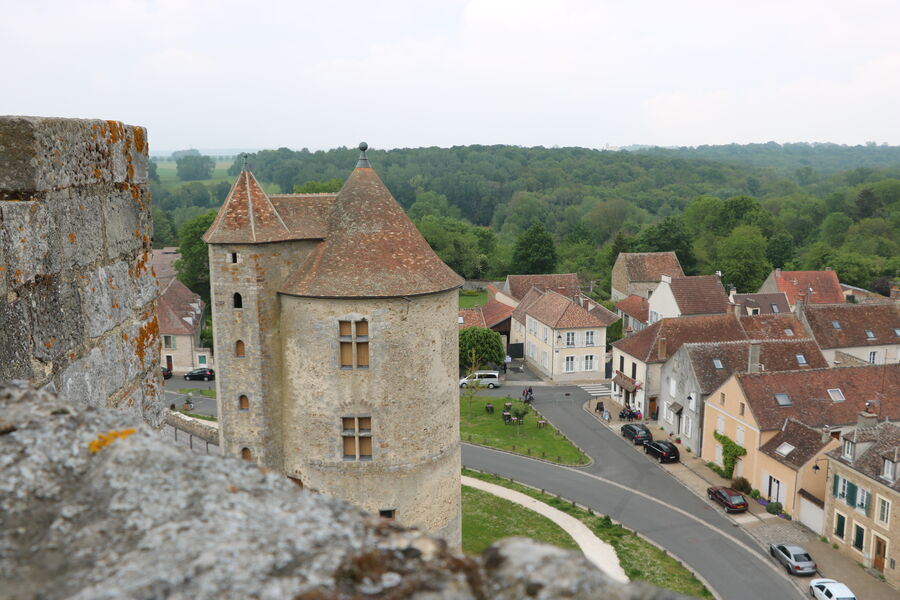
{"points": [[363, 162], [244, 158]]}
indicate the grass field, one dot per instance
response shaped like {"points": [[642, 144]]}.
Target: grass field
{"points": [[467, 299], [641, 560], [487, 518], [168, 176], [479, 427]]}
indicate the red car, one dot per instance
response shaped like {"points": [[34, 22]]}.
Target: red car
{"points": [[732, 501]]}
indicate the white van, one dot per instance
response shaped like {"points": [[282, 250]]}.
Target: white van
{"points": [[488, 379]]}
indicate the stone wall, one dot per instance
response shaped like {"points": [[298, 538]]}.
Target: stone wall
{"points": [[96, 505], [77, 289]]}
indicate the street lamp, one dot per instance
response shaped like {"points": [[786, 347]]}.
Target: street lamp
{"points": [[816, 468]]}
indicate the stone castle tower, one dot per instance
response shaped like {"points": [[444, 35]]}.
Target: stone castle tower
{"points": [[336, 343]]}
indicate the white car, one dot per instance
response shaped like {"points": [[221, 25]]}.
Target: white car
{"points": [[829, 589]]}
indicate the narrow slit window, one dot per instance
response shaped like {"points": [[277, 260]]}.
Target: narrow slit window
{"points": [[245, 454], [238, 301]]}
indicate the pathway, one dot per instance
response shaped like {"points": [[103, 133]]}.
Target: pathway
{"points": [[595, 550]]}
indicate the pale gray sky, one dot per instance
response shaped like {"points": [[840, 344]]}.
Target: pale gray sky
{"points": [[257, 73]]}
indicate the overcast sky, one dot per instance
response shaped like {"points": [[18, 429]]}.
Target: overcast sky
{"points": [[265, 74]]}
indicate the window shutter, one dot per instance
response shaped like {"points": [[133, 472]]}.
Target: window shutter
{"points": [[834, 486], [868, 503], [851, 494]]}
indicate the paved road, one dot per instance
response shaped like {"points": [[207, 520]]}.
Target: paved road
{"points": [[175, 395], [635, 492]]}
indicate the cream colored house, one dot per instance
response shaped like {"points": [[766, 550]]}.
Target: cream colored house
{"points": [[862, 508], [682, 296], [867, 332], [564, 339]]}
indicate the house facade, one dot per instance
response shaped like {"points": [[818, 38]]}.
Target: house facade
{"points": [[181, 315], [681, 296], [862, 506], [639, 273]]}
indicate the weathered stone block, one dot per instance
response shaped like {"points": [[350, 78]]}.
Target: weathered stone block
{"points": [[127, 223], [57, 323], [39, 154], [79, 224], [106, 293], [15, 338], [30, 239]]}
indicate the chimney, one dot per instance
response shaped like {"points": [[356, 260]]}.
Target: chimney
{"points": [[738, 309], [895, 292], [826, 435], [661, 349], [731, 292], [665, 279], [719, 274], [753, 365], [827, 268], [778, 272], [800, 303], [866, 419]]}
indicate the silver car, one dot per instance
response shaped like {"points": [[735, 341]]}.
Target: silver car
{"points": [[795, 559]]}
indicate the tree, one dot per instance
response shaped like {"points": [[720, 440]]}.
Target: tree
{"points": [[320, 187], [534, 252], [867, 204], [154, 176], [834, 229], [430, 203], [479, 346], [193, 266], [670, 235], [192, 168], [780, 249], [219, 191], [742, 258], [164, 233]]}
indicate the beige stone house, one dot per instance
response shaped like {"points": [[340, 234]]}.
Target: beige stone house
{"points": [[682, 296], [336, 336], [634, 312], [752, 409], [564, 339], [869, 333], [862, 506], [181, 317], [639, 273]]}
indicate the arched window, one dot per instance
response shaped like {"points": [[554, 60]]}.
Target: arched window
{"points": [[238, 301], [244, 403], [239, 349], [245, 454]]}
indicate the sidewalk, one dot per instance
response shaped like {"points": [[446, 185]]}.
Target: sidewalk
{"points": [[763, 527]]}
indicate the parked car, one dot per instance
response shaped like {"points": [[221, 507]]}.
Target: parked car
{"points": [[166, 373], [202, 374], [489, 379], [663, 451], [829, 589], [795, 559], [637, 433], [730, 499]]}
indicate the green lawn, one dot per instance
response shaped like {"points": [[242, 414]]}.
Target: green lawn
{"points": [[487, 518], [467, 299], [641, 560], [479, 427], [198, 391]]}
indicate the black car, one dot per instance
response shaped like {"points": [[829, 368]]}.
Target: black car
{"points": [[202, 374], [166, 373], [663, 451], [637, 433]]}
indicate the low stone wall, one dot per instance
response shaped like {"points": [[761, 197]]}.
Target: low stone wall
{"points": [[94, 504], [196, 427], [77, 289]]}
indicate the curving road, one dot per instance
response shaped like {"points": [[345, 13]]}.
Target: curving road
{"points": [[632, 490]]}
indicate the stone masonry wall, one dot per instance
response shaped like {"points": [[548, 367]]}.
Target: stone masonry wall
{"points": [[77, 288]]}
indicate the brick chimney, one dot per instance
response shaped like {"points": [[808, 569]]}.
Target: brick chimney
{"points": [[866, 419], [778, 272], [753, 363], [661, 348], [800, 303], [738, 309]]}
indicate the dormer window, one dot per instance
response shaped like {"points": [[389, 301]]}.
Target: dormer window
{"points": [[849, 448], [889, 470], [783, 400], [801, 360], [897, 331], [836, 395], [836, 324], [717, 363], [754, 311], [775, 309], [870, 334]]}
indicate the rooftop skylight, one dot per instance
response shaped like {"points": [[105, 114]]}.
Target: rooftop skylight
{"points": [[789, 332], [717, 363], [801, 360], [783, 400], [784, 449], [836, 395], [836, 324], [870, 334]]}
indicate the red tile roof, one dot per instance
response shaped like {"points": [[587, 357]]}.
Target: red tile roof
{"points": [[559, 312], [565, 284], [606, 316], [373, 250], [177, 303], [820, 287], [471, 317], [650, 266], [805, 442], [810, 401], [164, 263], [530, 297], [881, 442], [853, 321], [247, 216], [495, 312], [773, 327], [636, 307], [700, 295]]}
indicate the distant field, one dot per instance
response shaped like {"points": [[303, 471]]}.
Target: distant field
{"points": [[168, 176], [469, 300]]}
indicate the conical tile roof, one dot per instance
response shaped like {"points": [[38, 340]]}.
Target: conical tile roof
{"points": [[373, 250], [247, 216]]}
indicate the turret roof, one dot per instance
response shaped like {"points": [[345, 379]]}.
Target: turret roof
{"points": [[248, 216]]}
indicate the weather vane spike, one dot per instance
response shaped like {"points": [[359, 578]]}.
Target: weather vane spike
{"points": [[244, 158]]}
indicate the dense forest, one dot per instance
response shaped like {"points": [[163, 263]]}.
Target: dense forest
{"points": [[493, 210]]}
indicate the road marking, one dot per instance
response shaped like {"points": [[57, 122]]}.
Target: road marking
{"points": [[598, 389]]}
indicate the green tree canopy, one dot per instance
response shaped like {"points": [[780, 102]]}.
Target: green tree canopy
{"points": [[486, 344], [534, 252], [193, 266], [192, 168], [670, 235], [742, 258], [319, 187], [431, 203], [164, 233]]}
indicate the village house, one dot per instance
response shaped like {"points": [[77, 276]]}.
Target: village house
{"points": [[854, 333], [515, 287], [564, 339], [638, 358], [750, 409], [493, 315], [760, 304], [696, 370], [683, 296], [862, 510], [820, 287], [634, 312], [638, 273]]}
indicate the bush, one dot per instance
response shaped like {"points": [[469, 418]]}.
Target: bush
{"points": [[469, 292], [823, 539], [774, 508], [754, 494], [740, 484]]}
